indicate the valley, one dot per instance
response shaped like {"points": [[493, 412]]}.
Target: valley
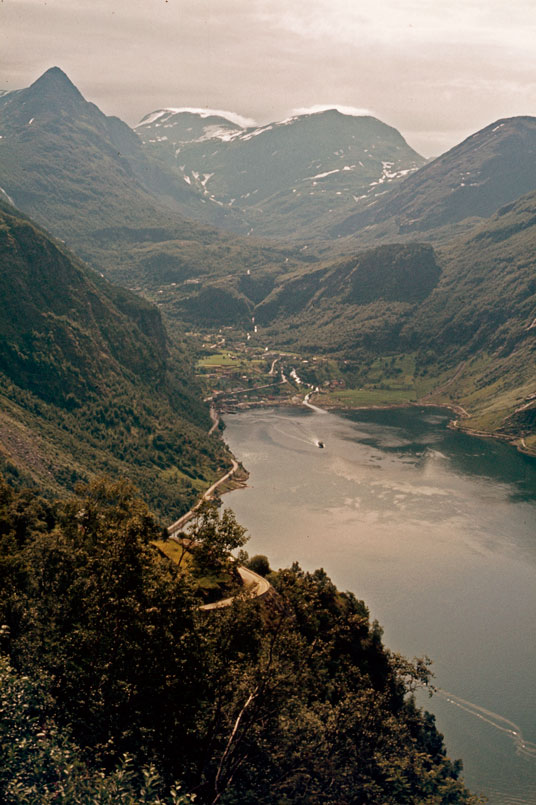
{"points": [[414, 276], [200, 278]]}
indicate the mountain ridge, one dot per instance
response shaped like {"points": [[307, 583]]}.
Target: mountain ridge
{"points": [[490, 168], [282, 174]]}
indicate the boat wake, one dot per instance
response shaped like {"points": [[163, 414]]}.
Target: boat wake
{"points": [[306, 439], [523, 747]]}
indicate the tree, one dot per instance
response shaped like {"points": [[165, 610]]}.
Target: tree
{"points": [[292, 699], [259, 564], [212, 538], [40, 763]]}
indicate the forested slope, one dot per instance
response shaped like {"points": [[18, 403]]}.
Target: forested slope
{"points": [[90, 381], [296, 702]]}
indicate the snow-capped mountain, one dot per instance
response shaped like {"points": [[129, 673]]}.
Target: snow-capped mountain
{"points": [[81, 173], [187, 125], [283, 176]]}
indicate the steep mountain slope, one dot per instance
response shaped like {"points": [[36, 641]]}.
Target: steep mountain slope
{"points": [[283, 176], [489, 169], [459, 323], [350, 306], [89, 381], [83, 175], [482, 318]]}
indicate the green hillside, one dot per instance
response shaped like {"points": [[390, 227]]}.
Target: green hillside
{"points": [[462, 317], [90, 381], [481, 320], [403, 322]]}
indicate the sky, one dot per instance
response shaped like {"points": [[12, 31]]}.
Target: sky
{"points": [[437, 70]]}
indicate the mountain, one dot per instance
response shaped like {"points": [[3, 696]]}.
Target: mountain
{"points": [[88, 179], [454, 324], [177, 126], [481, 319], [90, 381], [489, 169], [85, 176], [285, 176], [350, 308]]}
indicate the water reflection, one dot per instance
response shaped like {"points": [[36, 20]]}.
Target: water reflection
{"points": [[468, 455], [435, 530]]}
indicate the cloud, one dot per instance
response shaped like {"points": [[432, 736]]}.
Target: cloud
{"points": [[239, 120], [352, 111], [433, 69]]}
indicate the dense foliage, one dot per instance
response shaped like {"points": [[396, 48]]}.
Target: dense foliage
{"points": [[290, 700], [90, 382]]}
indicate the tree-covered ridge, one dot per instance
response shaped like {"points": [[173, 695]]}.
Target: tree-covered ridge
{"points": [[295, 701], [89, 380]]}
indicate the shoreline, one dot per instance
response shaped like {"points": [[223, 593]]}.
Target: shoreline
{"points": [[454, 424]]}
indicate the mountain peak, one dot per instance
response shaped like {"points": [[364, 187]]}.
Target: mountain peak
{"points": [[320, 109], [54, 80]]}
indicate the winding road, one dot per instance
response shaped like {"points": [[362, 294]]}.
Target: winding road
{"points": [[256, 586], [178, 524]]}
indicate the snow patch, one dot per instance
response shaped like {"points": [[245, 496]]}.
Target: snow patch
{"points": [[219, 133], [232, 117], [7, 196], [148, 119], [250, 134], [327, 173]]}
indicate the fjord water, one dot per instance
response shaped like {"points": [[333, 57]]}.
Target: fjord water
{"points": [[436, 531]]}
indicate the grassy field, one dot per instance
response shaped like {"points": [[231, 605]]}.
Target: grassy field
{"points": [[211, 587], [356, 398], [219, 359], [174, 551]]}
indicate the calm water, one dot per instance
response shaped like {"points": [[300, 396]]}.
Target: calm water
{"points": [[436, 532]]}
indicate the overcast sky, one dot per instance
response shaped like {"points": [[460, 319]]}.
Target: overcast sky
{"points": [[437, 70]]}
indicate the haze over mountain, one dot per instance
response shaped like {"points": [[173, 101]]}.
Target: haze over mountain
{"points": [[79, 171], [87, 179], [82, 174], [284, 176]]}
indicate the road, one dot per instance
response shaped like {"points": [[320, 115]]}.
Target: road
{"points": [[178, 524], [256, 586], [214, 417]]}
